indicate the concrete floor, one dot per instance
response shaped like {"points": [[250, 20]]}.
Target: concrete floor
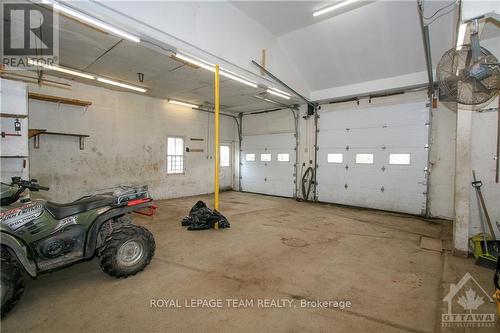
{"points": [[276, 249]]}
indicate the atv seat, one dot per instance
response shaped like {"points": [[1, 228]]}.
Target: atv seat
{"points": [[60, 211]]}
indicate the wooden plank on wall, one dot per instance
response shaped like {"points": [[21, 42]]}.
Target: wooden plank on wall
{"points": [[57, 99]]}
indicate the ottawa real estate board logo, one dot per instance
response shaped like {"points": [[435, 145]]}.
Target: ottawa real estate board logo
{"points": [[466, 305], [29, 34]]}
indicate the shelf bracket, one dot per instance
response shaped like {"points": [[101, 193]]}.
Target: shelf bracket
{"points": [[82, 143]]}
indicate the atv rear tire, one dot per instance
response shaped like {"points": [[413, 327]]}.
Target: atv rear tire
{"points": [[127, 250], [12, 283]]}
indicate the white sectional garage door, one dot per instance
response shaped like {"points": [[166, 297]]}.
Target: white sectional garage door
{"points": [[374, 157], [267, 164]]}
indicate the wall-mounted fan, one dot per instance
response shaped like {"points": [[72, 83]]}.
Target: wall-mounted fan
{"points": [[469, 76]]}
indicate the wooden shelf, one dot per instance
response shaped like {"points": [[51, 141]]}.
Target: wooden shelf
{"points": [[12, 115], [65, 134], [36, 132], [32, 132], [57, 99]]}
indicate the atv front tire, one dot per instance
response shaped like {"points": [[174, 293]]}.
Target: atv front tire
{"points": [[126, 251], [12, 283]]}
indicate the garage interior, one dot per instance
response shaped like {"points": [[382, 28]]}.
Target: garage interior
{"points": [[322, 130]]}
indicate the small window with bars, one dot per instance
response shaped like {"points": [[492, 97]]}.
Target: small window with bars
{"points": [[175, 155]]}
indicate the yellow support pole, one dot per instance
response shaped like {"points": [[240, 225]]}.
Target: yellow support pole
{"points": [[217, 157]]}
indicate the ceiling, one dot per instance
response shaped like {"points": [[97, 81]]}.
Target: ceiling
{"points": [[92, 51], [361, 42], [281, 17], [364, 41]]}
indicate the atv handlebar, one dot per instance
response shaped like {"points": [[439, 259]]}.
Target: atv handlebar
{"points": [[32, 184]]}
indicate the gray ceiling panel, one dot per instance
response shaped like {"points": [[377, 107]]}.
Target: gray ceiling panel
{"points": [[93, 51], [80, 45]]}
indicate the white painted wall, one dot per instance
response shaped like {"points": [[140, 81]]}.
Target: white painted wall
{"points": [[483, 152], [442, 158], [127, 143], [14, 100], [269, 123]]}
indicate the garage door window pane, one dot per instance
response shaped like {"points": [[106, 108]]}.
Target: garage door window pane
{"points": [[283, 157], [250, 157], [175, 155], [265, 157], [224, 156], [364, 158], [399, 159], [335, 158]]}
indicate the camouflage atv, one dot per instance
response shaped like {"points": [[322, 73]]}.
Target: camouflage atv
{"points": [[39, 236]]}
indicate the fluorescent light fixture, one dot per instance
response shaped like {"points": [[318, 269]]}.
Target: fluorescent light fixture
{"points": [[268, 100], [239, 79], [461, 35], [336, 6], [211, 67], [280, 91], [61, 69], [123, 85], [183, 103], [196, 62], [92, 21], [278, 94]]}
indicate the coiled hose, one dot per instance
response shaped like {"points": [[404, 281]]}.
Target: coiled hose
{"points": [[307, 183]]}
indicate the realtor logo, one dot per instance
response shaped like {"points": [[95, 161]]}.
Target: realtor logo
{"points": [[465, 300], [29, 32]]}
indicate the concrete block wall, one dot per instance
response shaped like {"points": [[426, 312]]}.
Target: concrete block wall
{"points": [[127, 143]]}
